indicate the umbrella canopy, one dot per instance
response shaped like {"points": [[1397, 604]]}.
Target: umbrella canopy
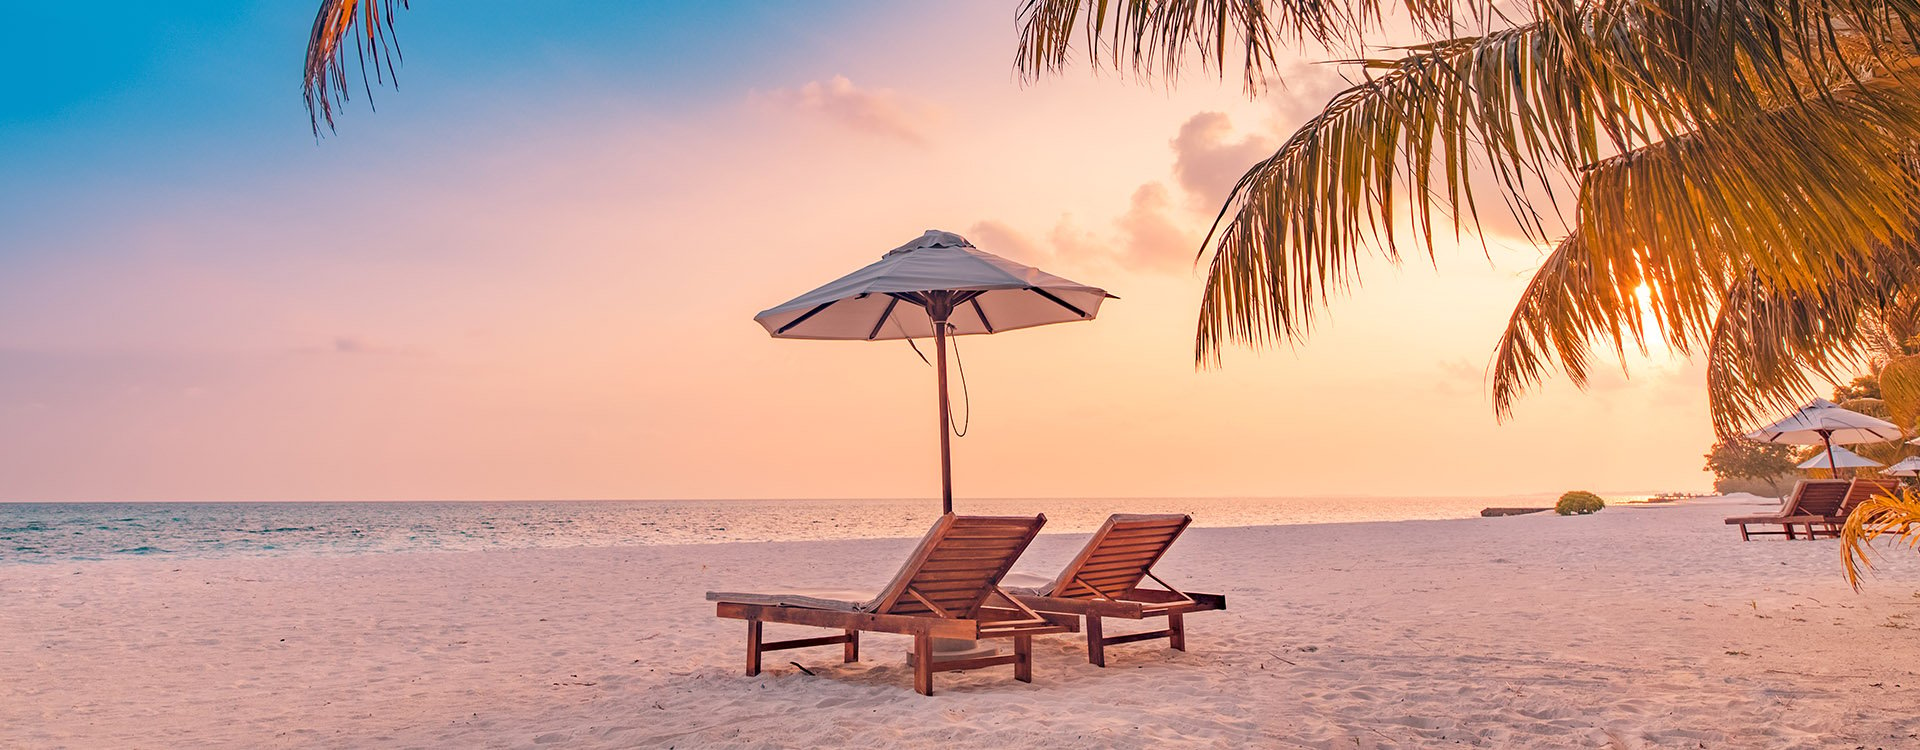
{"points": [[936, 286], [1906, 467], [1838, 458], [1821, 422], [900, 295]]}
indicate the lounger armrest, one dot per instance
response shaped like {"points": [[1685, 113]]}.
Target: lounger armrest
{"points": [[1158, 601], [1775, 518]]}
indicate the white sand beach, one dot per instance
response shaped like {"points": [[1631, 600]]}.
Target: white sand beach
{"points": [[1650, 626]]}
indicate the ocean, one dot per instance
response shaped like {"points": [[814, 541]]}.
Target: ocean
{"points": [[67, 532]]}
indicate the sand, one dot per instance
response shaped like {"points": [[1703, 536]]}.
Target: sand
{"points": [[1645, 626]]}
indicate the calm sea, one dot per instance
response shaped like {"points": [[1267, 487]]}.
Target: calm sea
{"points": [[62, 532]]}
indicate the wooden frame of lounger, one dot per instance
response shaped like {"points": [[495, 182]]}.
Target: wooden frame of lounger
{"points": [[1104, 581], [1858, 491], [949, 588], [1812, 501]]}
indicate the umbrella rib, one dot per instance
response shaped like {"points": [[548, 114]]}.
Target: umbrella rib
{"points": [[982, 313], [1058, 301], [884, 314], [802, 319]]}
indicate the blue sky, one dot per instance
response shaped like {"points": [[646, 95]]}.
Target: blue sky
{"points": [[134, 100]]}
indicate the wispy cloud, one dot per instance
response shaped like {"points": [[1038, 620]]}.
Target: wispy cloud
{"points": [[882, 112]]}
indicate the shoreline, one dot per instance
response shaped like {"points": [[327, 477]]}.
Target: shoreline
{"points": [[1647, 626], [298, 550]]}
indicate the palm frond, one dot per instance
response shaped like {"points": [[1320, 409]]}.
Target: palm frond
{"points": [[1155, 37], [1570, 303], [1767, 348], [1783, 232], [1897, 517], [366, 28]]}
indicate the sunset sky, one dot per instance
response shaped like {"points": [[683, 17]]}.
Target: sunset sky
{"points": [[532, 272]]}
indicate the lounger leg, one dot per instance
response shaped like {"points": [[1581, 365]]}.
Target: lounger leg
{"points": [[923, 664], [1177, 631], [1023, 658], [1096, 643], [1743, 534], [753, 647], [853, 646]]}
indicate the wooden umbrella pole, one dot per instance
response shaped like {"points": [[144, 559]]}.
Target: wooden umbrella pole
{"points": [[939, 311]]}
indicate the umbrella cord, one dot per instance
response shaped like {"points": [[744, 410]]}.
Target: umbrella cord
{"points": [[966, 399]]}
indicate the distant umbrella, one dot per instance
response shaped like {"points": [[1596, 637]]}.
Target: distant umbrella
{"points": [[1838, 458], [1907, 467], [936, 286], [1822, 423]]}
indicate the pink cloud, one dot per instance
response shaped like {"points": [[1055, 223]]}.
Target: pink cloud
{"points": [[877, 111], [1208, 160]]}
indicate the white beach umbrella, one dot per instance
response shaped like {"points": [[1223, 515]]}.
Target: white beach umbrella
{"points": [[1822, 423], [1906, 467], [936, 286], [1838, 457]]}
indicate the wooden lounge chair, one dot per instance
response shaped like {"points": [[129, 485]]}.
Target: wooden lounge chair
{"points": [[1811, 501], [1860, 491], [1104, 581], [949, 588]]}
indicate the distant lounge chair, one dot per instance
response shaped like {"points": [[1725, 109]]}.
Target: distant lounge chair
{"points": [[1811, 502], [1104, 581], [1860, 491], [949, 588]]}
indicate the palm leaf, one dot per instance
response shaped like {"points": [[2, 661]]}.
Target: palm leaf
{"points": [[1897, 517], [366, 28], [1570, 303]]}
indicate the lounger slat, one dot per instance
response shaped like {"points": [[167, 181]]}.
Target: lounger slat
{"points": [[967, 556], [1122, 532], [1125, 546], [1106, 556], [995, 545], [1118, 563]]}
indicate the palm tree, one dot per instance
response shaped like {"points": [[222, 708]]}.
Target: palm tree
{"points": [[1750, 163]]}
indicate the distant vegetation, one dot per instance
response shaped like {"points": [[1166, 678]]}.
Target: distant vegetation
{"points": [[1579, 503], [1742, 465]]}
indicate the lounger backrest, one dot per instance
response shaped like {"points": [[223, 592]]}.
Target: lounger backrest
{"points": [[1819, 497], [1119, 555], [1863, 490], [957, 565]]}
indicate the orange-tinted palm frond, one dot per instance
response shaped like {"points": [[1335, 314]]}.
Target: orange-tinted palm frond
{"points": [[1766, 242], [1573, 300], [1296, 224], [1768, 347], [1895, 517], [366, 28]]}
